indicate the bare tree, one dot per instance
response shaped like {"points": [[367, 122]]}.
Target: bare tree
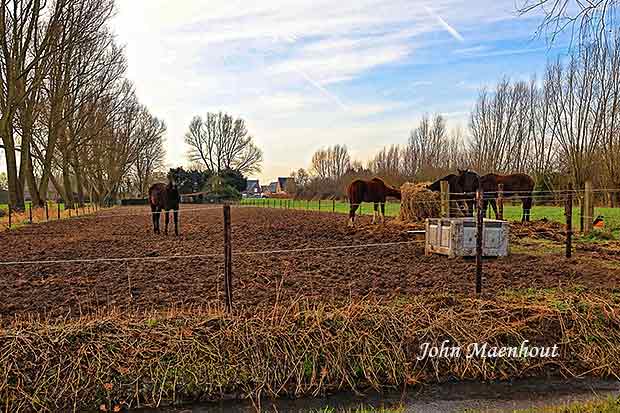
{"points": [[331, 163], [221, 142], [149, 160], [27, 30], [586, 20], [429, 150]]}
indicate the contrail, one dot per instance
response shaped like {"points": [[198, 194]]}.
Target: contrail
{"points": [[322, 89], [445, 25], [292, 38]]}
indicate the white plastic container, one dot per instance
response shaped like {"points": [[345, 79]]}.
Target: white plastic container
{"points": [[456, 237]]}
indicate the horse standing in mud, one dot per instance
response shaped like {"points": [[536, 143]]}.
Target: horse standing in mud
{"points": [[375, 191], [165, 197], [515, 185]]}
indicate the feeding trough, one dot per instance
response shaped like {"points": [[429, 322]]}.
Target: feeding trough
{"points": [[456, 237]]}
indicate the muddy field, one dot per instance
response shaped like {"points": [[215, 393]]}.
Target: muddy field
{"points": [[260, 280]]}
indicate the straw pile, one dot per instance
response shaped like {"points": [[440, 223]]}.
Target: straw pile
{"points": [[419, 203], [140, 360]]}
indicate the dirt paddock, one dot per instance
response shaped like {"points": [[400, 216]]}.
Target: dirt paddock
{"points": [[260, 280]]}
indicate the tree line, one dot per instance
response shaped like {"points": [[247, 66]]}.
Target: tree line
{"points": [[69, 118], [562, 129]]}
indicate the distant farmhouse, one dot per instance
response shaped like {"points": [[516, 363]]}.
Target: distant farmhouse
{"points": [[253, 187], [281, 186]]}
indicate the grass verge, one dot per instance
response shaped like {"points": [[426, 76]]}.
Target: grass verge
{"points": [[305, 349], [609, 405]]}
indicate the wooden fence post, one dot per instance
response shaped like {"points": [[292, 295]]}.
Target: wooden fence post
{"points": [[568, 212], [333, 205], [319, 204], [588, 208], [227, 259], [30, 211], [479, 239], [500, 201], [445, 199], [58, 209], [47, 212]]}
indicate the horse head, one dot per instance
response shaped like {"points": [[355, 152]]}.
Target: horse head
{"points": [[468, 180]]}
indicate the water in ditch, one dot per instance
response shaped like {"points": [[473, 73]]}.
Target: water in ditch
{"points": [[451, 397]]}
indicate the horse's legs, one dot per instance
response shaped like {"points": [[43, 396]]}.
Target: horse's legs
{"points": [[153, 209], [166, 220], [352, 209], [156, 213], [175, 213], [494, 206], [470, 207], [375, 212], [382, 212], [527, 207]]}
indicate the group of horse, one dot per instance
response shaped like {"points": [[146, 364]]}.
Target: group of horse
{"points": [[462, 187]]}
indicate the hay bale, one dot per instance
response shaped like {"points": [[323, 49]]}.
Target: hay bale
{"points": [[419, 203]]}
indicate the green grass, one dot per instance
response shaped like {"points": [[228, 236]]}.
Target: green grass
{"points": [[609, 405], [511, 212]]}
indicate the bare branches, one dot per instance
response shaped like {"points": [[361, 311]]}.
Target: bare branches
{"points": [[220, 143], [585, 20]]}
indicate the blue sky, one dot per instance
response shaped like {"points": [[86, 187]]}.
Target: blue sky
{"points": [[307, 74]]}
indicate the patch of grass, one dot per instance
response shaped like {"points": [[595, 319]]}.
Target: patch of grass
{"points": [[609, 405], [536, 246]]}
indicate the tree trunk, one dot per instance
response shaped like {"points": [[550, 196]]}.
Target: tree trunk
{"points": [[16, 191], [66, 183]]}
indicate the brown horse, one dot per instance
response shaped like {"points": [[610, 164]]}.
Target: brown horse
{"points": [[457, 197], [374, 191], [515, 185], [165, 197]]}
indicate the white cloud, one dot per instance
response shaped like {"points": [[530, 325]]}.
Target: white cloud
{"points": [[291, 69]]}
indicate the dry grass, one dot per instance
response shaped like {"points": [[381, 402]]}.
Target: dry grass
{"points": [[304, 349], [418, 203], [19, 219]]}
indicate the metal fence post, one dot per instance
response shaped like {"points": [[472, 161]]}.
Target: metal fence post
{"points": [[568, 212], [479, 239], [227, 259], [47, 212], [333, 205], [58, 209], [10, 215], [30, 211]]}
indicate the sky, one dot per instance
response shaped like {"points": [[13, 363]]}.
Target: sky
{"points": [[308, 74]]}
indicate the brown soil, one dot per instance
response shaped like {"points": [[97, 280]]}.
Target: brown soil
{"points": [[385, 272]]}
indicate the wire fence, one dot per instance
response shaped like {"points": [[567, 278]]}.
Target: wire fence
{"points": [[545, 207], [92, 213]]}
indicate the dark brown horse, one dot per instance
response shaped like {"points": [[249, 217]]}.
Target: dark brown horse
{"points": [[515, 185], [375, 191], [457, 197], [165, 197]]}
